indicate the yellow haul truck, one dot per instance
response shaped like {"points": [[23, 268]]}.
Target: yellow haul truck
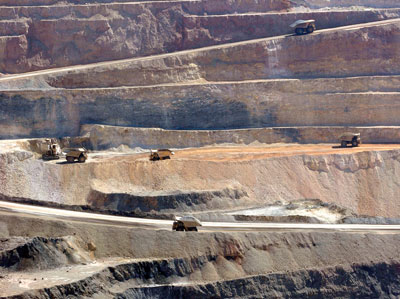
{"points": [[303, 26], [161, 154], [186, 223]]}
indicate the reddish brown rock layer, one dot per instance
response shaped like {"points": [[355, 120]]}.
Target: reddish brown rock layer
{"points": [[346, 51], [207, 30], [64, 34]]}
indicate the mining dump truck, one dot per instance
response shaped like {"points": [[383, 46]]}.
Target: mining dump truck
{"points": [[160, 154], [73, 154], [303, 26], [350, 138], [50, 149], [186, 223]]}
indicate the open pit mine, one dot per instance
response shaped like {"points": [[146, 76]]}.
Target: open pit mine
{"points": [[197, 149]]}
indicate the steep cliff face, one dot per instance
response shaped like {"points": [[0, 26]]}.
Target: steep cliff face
{"points": [[46, 34], [184, 100], [360, 101], [358, 281], [205, 30], [281, 57], [346, 3], [100, 137]]}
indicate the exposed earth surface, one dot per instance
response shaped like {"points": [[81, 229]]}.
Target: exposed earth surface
{"points": [[253, 114]]}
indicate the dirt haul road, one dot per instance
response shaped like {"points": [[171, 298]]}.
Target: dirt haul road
{"points": [[251, 153], [246, 153], [206, 226]]}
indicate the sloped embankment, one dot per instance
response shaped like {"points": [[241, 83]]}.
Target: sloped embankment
{"points": [[38, 253], [360, 281], [367, 175], [100, 137], [178, 201], [235, 264], [357, 281]]}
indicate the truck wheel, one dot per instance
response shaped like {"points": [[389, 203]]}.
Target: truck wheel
{"points": [[343, 144], [299, 31], [81, 159], [180, 229], [310, 29], [354, 143], [193, 229], [70, 159]]}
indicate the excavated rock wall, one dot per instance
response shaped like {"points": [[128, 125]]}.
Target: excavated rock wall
{"points": [[357, 281], [68, 35], [99, 137], [214, 6], [167, 202], [41, 253], [371, 50], [38, 37], [346, 3], [206, 30], [287, 264], [362, 101]]}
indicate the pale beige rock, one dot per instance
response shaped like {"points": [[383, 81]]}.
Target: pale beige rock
{"points": [[362, 180]]}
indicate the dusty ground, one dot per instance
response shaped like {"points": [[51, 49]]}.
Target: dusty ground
{"points": [[248, 153]]}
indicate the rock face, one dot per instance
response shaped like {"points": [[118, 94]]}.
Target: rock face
{"points": [[261, 264], [232, 86], [205, 30], [369, 50], [41, 253], [77, 33], [359, 101], [173, 202], [99, 137], [346, 3], [47, 34], [359, 281]]}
